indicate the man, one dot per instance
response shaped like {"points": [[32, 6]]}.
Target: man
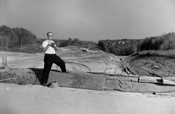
{"points": [[49, 48]]}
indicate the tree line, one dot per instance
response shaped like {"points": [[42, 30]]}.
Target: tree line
{"points": [[162, 42], [15, 37], [129, 46], [19, 37]]}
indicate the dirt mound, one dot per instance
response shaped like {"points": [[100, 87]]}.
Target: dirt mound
{"points": [[93, 81], [19, 76], [72, 79], [151, 65]]}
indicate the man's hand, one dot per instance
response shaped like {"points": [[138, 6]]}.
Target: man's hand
{"points": [[54, 46]]}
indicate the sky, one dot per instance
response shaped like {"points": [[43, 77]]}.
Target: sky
{"points": [[90, 20]]}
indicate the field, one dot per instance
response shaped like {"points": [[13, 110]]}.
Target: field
{"points": [[97, 82]]}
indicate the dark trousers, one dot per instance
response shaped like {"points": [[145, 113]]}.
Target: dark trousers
{"points": [[49, 59]]}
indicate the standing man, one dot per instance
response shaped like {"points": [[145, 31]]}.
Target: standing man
{"points": [[49, 48]]}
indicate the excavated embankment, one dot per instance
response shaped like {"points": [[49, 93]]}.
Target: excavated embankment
{"points": [[136, 73], [92, 81], [152, 65]]}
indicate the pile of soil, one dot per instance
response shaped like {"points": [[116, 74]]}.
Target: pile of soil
{"points": [[82, 80], [71, 79], [19, 76], [151, 65]]}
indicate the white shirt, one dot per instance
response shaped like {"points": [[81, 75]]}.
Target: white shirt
{"points": [[50, 49]]}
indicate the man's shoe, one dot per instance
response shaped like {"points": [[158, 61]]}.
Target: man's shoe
{"points": [[53, 84], [45, 84]]}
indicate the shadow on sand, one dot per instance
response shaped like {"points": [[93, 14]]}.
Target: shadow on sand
{"points": [[39, 72]]}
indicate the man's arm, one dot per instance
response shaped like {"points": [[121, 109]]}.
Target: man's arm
{"points": [[45, 48]]}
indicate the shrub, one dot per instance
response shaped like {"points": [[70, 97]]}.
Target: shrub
{"points": [[163, 42]]}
